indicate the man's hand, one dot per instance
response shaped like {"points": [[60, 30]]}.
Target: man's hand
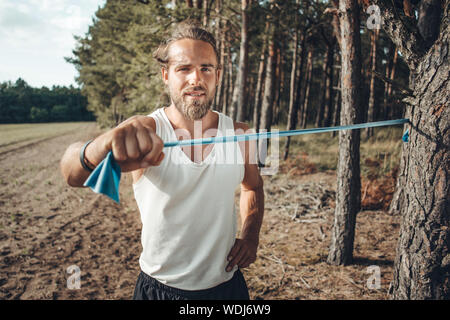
{"points": [[133, 143], [242, 254]]}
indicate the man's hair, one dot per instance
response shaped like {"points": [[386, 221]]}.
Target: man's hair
{"points": [[184, 30]]}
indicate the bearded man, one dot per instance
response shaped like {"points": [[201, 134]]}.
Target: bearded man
{"points": [[185, 195]]}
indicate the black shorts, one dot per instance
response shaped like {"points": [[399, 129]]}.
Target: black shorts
{"points": [[148, 288]]}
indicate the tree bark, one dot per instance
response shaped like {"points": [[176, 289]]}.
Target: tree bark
{"points": [[250, 94], [230, 73], [278, 85], [371, 108], [337, 96], [239, 97], [293, 108], [429, 20], [390, 74], [323, 85], [328, 113], [348, 195], [422, 263], [405, 36], [267, 101], [299, 94], [260, 81], [221, 47], [205, 13], [309, 68]]}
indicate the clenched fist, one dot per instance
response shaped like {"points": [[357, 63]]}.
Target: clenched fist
{"points": [[134, 144]]}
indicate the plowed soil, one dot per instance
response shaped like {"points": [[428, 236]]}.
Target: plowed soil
{"points": [[47, 227]]}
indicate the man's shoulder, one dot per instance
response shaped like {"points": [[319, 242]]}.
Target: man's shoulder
{"points": [[241, 126]]}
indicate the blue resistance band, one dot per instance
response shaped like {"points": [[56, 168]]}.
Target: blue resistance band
{"points": [[105, 178]]}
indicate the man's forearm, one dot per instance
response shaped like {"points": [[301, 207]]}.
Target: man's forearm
{"points": [[71, 168], [252, 212]]}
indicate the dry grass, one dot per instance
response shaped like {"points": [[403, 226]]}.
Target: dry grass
{"points": [[16, 136], [380, 154], [295, 239], [299, 211], [46, 226]]}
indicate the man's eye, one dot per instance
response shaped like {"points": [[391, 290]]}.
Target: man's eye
{"points": [[183, 69], [206, 69]]}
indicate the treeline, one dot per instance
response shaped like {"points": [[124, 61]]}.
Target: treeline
{"points": [[20, 103], [281, 61]]}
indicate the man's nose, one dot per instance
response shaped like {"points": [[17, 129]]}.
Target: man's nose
{"points": [[195, 77]]}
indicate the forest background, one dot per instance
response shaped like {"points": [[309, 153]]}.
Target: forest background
{"points": [[118, 77], [282, 64]]}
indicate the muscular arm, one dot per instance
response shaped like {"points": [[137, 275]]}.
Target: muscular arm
{"points": [[251, 206], [134, 144]]}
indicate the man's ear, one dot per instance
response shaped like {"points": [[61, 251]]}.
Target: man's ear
{"points": [[165, 75]]}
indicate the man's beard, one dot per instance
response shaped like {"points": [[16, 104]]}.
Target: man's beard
{"points": [[192, 110]]}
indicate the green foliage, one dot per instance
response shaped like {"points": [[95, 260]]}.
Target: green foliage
{"points": [[120, 78], [114, 61], [59, 112], [118, 74], [21, 103], [38, 114]]}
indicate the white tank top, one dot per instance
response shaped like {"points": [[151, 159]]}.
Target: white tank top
{"points": [[187, 211]]}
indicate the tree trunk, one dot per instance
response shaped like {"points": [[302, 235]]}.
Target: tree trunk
{"points": [[250, 94], [205, 13], [422, 263], [225, 90], [230, 73], [323, 80], [328, 113], [260, 81], [390, 72], [337, 110], [277, 87], [267, 101], [293, 107], [337, 97], [371, 109], [307, 87], [238, 101], [391, 77], [221, 47], [327, 84], [348, 195], [304, 99]]}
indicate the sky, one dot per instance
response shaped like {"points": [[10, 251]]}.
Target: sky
{"points": [[36, 35]]}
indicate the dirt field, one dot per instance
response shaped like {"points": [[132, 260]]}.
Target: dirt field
{"points": [[46, 227]]}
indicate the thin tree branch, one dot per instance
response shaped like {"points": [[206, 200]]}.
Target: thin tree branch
{"points": [[406, 36], [403, 90]]}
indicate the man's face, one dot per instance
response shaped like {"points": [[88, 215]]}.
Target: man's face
{"points": [[191, 77]]}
